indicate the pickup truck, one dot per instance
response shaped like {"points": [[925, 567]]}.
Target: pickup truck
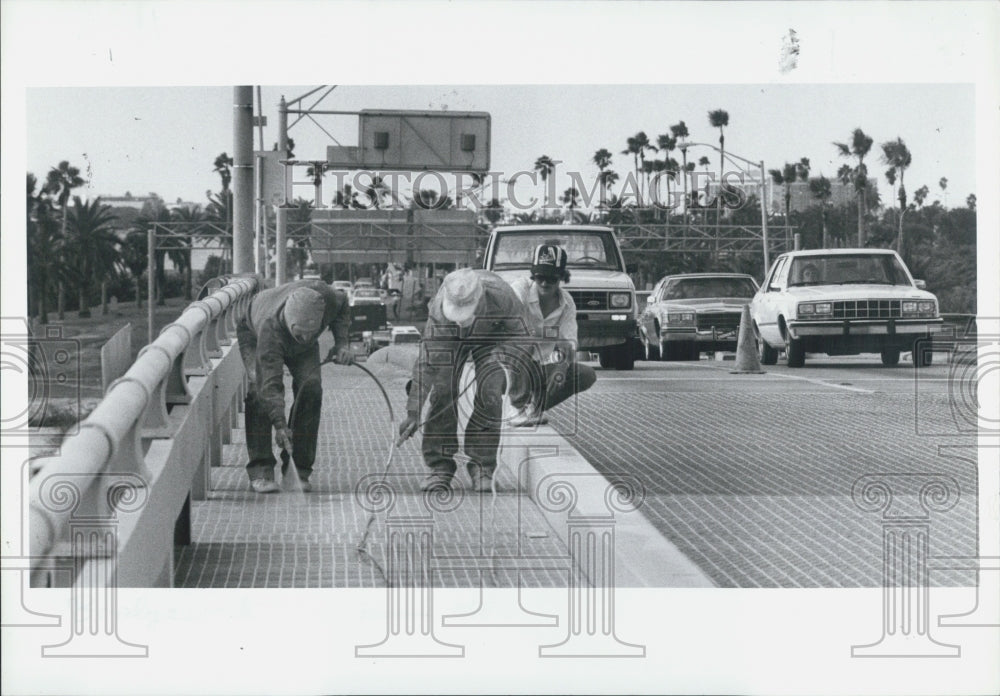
{"points": [[604, 294]]}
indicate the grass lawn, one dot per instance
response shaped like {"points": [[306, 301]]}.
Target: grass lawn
{"points": [[74, 389], [77, 390]]}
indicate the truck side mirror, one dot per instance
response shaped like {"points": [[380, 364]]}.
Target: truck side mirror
{"points": [[920, 284]]}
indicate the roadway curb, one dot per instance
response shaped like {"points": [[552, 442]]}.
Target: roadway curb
{"points": [[569, 492], [548, 469]]}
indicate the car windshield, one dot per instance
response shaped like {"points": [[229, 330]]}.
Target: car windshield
{"points": [[365, 292], [583, 249], [847, 269], [704, 288]]}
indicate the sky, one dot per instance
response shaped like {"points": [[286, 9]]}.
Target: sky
{"points": [[165, 139], [114, 80]]}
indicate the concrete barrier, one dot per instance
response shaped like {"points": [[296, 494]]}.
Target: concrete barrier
{"points": [[121, 488]]}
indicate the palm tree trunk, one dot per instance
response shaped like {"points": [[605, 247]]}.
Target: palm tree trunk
{"points": [[61, 301], [104, 298], [83, 310], [861, 219], [43, 301], [138, 292], [826, 237]]}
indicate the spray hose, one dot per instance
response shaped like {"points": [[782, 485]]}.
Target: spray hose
{"points": [[395, 442]]}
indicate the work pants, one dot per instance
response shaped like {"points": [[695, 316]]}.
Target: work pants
{"points": [[482, 433], [303, 420]]}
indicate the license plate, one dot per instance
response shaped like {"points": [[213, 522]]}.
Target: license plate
{"points": [[360, 316]]}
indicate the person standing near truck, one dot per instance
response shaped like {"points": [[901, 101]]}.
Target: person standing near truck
{"points": [[281, 328], [552, 321]]}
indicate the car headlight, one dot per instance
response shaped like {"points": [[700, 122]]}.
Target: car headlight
{"points": [[921, 308], [680, 317], [811, 310], [619, 300]]}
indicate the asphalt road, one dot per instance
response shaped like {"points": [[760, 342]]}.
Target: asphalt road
{"points": [[754, 476]]}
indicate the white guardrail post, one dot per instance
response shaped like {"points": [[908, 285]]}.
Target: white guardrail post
{"points": [[114, 501]]}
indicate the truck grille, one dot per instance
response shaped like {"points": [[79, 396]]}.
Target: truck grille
{"points": [[866, 309], [720, 320], [589, 300]]}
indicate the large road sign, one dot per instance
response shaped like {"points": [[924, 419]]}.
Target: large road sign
{"points": [[418, 140]]}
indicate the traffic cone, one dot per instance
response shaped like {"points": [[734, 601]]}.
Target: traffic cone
{"points": [[747, 361]]}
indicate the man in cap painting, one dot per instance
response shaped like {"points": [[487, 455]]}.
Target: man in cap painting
{"points": [[281, 328], [474, 315]]}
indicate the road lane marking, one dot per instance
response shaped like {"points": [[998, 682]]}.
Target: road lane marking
{"points": [[820, 382]]}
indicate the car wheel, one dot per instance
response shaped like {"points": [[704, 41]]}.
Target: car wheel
{"points": [[604, 357], [890, 356], [652, 350], [767, 354], [668, 351], [795, 354], [922, 358], [624, 357], [692, 352]]}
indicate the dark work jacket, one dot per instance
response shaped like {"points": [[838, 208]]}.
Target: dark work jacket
{"points": [[266, 344]]}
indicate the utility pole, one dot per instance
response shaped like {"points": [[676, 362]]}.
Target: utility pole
{"points": [[281, 228], [243, 191], [763, 216]]}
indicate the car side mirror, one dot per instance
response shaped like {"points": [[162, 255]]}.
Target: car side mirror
{"points": [[920, 284]]}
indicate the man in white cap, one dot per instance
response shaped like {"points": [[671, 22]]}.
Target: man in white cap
{"points": [[475, 314], [281, 328], [552, 321]]}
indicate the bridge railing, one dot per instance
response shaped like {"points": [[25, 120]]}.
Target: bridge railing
{"points": [[118, 494]]}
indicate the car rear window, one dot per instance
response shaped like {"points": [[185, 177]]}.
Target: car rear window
{"points": [[847, 269], [703, 288], [583, 249]]}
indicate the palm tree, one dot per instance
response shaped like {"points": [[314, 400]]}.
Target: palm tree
{"points": [[60, 182], [223, 167], [970, 201], [494, 211], [219, 212], [943, 183], [859, 147], [719, 119], [636, 146], [93, 246], [569, 197], [822, 190], [135, 257], [606, 179], [897, 156], [920, 195], [545, 166], [44, 243], [666, 143], [602, 158], [680, 132], [192, 216]]}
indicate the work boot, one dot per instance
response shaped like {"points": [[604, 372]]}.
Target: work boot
{"points": [[482, 482], [261, 485], [527, 417], [436, 480]]}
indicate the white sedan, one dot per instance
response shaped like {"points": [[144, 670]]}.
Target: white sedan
{"points": [[842, 302]]}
